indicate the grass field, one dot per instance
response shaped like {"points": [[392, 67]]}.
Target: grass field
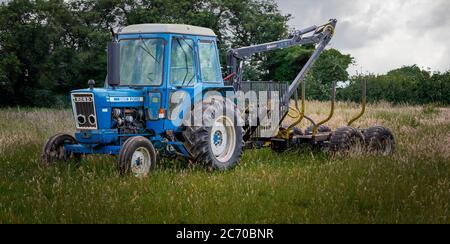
{"points": [[412, 186]]}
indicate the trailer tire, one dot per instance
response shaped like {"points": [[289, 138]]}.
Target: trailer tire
{"points": [[218, 143], [345, 139], [321, 129], [379, 140], [137, 156], [278, 145], [53, 150]]}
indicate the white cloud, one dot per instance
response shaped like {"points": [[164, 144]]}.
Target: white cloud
{"points": [[382, 35]]}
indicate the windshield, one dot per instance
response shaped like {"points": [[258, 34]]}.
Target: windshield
{"points": [[141, 62]]}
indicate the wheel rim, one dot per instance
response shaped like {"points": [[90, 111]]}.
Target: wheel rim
{"points": [[58, 153], [55, 154], [140, 162], [223, 139]]}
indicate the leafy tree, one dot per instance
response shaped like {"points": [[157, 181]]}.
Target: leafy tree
{"points": [[332, 66], [284, 65], [409, 84], [49, 47]]}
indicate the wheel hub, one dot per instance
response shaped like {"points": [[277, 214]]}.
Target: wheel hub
{"points": [[218, 138], [223, 138], [140, 162]]}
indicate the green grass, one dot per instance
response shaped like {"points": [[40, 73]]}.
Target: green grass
{"points": [[412, 186]]}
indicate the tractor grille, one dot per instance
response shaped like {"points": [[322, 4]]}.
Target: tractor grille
{"points": [[83, 106]]}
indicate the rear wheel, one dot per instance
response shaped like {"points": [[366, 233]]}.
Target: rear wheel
{"points": [[346, 139], [218, 142], [54, 151], [137, 157], [379, 140]]}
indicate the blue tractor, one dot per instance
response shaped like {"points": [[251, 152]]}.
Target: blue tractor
{"points": [[159, 77]]}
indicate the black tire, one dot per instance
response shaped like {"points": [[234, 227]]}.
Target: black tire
{"points": [[198, 139], [53, 150], [345, 139], [321, 129], [144, 154], [379, 140], [278, 145]]}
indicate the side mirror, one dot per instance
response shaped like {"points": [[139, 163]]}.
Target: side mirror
{"points": [[113, 63]]}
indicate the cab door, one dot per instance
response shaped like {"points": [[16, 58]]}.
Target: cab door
{"points": [[183, 77]]}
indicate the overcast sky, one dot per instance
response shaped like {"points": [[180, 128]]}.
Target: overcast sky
{"points": [[382, 35]]}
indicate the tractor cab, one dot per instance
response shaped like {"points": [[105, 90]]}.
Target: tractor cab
{"points": [[167, 63]]}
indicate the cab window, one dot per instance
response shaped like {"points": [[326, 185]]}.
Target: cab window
{"points": [[209, 65], [141, 62], [182, 68]]}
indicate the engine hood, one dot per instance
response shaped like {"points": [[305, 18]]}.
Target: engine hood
{"points": [[106, 99], [119, 97]]}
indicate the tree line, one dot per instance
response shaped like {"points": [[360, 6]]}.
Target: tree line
{"points": [[409, 84], [49, 47]]}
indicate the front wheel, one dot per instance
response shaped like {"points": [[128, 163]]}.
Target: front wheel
{"points": [[54, 151], [137, 157]]}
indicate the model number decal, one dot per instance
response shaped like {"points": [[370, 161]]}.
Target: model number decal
{"points": [[82, 99], [125, 99]]}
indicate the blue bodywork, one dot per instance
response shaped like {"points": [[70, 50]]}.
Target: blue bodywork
{"points": [[107, 139]]}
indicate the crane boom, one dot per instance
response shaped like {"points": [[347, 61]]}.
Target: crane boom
{"points": [[321, 35]]}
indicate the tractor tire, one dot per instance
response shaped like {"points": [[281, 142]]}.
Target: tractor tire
{"points": [[217, 143], [53, 150], [137, 156], [321, 129], [379, 140], [346, 139]]}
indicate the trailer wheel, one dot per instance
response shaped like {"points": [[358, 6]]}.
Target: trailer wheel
{"points": [[218, 143], [346, 139], [321, 129], [278, 145], [379, 140], [137, 157], [53, 150]]}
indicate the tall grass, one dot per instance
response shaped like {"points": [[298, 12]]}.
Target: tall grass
{"points": [[301, 186]]}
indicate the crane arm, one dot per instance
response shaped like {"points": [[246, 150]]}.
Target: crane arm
{"points": [[321, 35]]}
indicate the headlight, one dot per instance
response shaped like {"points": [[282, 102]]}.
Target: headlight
{"points": [[81, 119]]}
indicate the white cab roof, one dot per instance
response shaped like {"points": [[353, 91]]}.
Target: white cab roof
{"points": [[167, 28]]}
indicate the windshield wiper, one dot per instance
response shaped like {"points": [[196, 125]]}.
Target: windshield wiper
{"points": [[185, 59], [146, 49], [193, 75]]}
